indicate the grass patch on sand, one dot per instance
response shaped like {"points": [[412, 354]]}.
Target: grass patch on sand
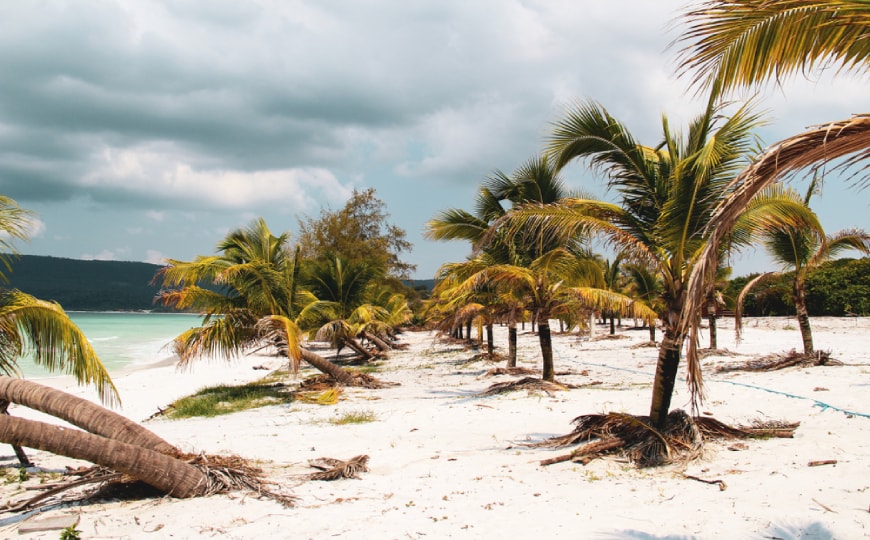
{"points": [[224, 399], [354, 417]]}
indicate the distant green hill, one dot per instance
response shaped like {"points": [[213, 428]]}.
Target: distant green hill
{"points": [[86, 285]]}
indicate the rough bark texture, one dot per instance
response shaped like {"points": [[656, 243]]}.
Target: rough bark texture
{"points": [[546, 349], [803, 316], [82, 413], [666, 376], [382, 345], [165, 473], [490, 343], [512, 345], [339, 374], [711, 318]]}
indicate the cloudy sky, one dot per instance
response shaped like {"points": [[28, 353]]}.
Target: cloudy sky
{"points": [[145, 130]]}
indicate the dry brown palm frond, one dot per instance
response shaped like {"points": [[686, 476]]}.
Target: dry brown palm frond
{"points": [[632, 436], [526, 383], [324, 382], [233, 473], [510, 371], [704, 353], [714, 429], [774, 362], [333, 469]]}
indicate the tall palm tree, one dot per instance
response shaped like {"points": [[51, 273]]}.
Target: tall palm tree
{"points": [[745, 43], [247, 294], [801, 249], [667, 194], [645, 285]]}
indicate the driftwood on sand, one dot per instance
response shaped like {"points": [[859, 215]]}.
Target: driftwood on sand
{"points": [[793, 358]]}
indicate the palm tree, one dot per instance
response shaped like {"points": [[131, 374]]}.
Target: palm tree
{"points": [[536, 181], [745, 43], [41, 329], [247, 295], [645, 286], [667, 194], [801, 249]]}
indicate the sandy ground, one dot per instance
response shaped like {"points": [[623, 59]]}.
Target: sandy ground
{"points": [[447, 463]]}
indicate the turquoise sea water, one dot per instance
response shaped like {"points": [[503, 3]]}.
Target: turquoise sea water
{"points": [[125, 339]]}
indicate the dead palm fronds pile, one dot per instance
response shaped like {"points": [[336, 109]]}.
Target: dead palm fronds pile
{"points": [[510, 371], [359, 380], [635, 438], [527, 383], [333, 469], [793, 358], [221, 474]]}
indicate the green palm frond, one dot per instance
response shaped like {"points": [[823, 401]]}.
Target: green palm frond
{"points": [[282, 330], [14, 224], [740, 43], [227, 336], [32, 326]]}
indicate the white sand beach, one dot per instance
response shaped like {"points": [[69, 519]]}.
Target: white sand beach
{"points": [[447, 463]]}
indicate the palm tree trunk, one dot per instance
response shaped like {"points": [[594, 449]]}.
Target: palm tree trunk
{"points": [[468, 331], [612, 326], [512, 344], [338, 374], [803, 316], [382, 345], [165, 473], [665, 378], [81, 413], [23, 460], [711, 317], [546, 340], [359, 349], [652, 332], [490, 343]]}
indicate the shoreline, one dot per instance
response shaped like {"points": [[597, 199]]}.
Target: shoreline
{"points": [[446, 462]]}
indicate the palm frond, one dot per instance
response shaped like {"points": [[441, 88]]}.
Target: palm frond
{"points": [[739, 43], [32, 326]]}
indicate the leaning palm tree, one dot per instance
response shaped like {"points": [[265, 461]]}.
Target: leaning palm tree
{"points": [[800, 250], [745, 43], [41, 330], [247, 295]]}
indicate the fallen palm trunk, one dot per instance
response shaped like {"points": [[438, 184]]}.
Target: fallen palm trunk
{"points": [[81, 413], [776, 362], [166, 473]]}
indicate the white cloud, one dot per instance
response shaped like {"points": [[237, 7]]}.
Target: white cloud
{"points": [[156, 215], [105, 255], [155, 257]]}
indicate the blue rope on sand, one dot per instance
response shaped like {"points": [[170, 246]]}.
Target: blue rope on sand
{"points": [[816, 403]]}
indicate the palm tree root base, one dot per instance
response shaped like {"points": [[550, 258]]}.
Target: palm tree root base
{"points": [[681, 439], [793, 358], [526, 383], [334, 469]]}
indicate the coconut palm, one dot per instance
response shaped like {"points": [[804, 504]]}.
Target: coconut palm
{"points": [[645, 286], [801, 249], [746, 43], [666, 193], [247, 295]]}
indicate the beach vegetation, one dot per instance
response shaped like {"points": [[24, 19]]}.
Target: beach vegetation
{"points": [[226, 399], [354, 417]]}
